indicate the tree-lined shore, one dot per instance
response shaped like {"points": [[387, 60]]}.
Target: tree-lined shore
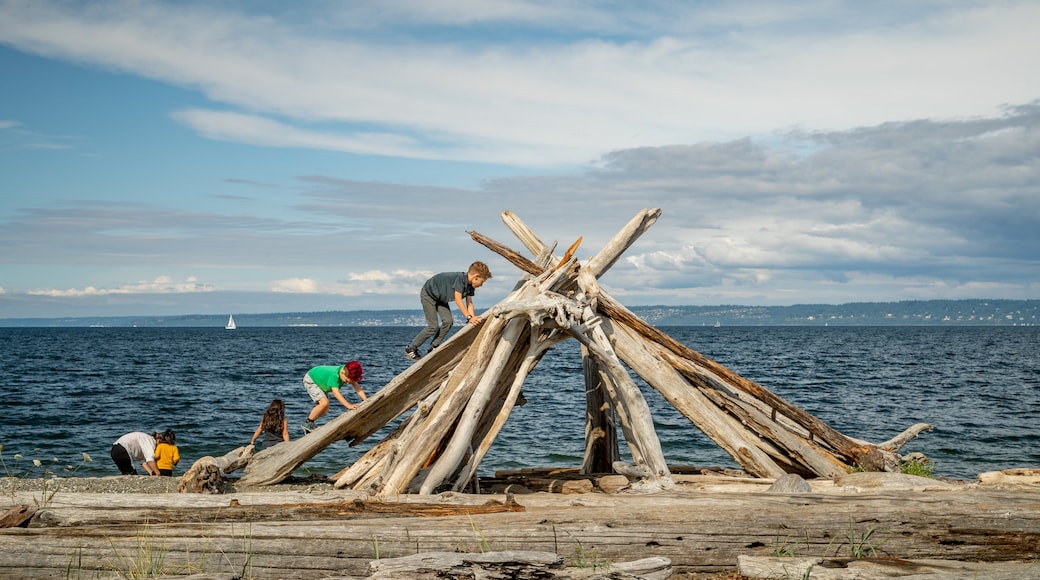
{"points": [[974, 312]]}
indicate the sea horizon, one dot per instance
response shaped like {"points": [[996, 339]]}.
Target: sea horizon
{"points": [[962, 312]]}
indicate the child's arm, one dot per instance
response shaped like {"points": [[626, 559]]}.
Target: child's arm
{"points": [[285, 429], [257, 433], [466, 308], [339, 396], [359, 391]]}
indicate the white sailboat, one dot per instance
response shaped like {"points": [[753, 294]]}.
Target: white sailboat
{"points": [[230, 322]]}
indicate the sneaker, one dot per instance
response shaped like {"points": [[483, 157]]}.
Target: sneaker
{"points": [[412, 353], [309, 426]]}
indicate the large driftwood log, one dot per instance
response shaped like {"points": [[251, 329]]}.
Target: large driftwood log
{"points": [[412, 455], [461, 439], [698, 532]]}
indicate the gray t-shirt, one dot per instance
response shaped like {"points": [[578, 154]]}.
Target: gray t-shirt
{"points": [[442, 287]]}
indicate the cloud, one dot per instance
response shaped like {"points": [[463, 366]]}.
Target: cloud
{"points": [[369, 79], [925, 208], [296, 286], [372, 282], [838, 151], [160, 285]]}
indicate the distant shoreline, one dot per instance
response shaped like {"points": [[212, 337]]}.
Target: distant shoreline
{"points": [[940, 313]]}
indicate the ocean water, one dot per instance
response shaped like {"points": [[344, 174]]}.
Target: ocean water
{"points": [[70, 391]]}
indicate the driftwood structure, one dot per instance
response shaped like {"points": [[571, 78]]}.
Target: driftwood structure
{"points": [[462, 394]]}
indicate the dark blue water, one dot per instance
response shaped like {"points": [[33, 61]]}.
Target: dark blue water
{"points": [[69, 391]]}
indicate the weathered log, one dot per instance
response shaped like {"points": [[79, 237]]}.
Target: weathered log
{"points": [[520, 565], [879, 568], [842, 444], [601, 442], [469, 418], [207, 474], [535, 350], [413, 454], [16, 516], [632, 409], [276, 463], [235, 511], [717, 425], [698, 532]]}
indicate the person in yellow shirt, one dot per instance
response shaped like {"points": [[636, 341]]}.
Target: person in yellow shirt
{"points": [[166, 453]]}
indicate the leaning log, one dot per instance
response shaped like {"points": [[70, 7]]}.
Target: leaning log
{"points": [[276, 463]]}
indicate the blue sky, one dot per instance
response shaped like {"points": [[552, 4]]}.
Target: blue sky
{"points": [[243, 156]]}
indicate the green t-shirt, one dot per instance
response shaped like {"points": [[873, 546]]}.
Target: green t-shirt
{"points": [[326, 377]]}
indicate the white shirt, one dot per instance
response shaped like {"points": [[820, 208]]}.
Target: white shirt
{"points": [[138, 445]]}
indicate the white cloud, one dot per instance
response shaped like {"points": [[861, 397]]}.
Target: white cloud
{"points": [[296, 286], [562, 93], [160, 285], [371, 282]]}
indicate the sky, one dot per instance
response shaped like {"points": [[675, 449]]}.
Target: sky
{"points": [[250, 156]]}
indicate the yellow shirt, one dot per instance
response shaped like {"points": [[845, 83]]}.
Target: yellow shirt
{"points": [[166, 456]]}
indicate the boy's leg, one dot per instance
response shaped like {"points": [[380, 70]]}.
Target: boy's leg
{"points": [[321, 402], [444, 311], [320, 409], [429, 306]]}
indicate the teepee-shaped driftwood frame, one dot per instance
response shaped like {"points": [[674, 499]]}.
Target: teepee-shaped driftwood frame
{"points": [[463, 392]]}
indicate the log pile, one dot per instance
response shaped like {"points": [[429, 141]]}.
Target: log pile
{"points": [[462, 394]]}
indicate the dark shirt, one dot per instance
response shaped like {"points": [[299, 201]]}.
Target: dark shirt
{"points": [[441, 287]]}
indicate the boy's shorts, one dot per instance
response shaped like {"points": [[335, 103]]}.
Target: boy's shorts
{"points": [[313, 389]]}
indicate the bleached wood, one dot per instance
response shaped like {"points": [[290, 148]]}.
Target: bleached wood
{"points": [[702, 532], [616, 247], [536, 348], [208, 473], [843, 445], [632, 410], [719, 426], [462, 437], [896, 443], [274, 464], [432, 430]]}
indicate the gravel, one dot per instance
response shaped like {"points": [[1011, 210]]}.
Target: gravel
{"points": [[143, 484]]}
